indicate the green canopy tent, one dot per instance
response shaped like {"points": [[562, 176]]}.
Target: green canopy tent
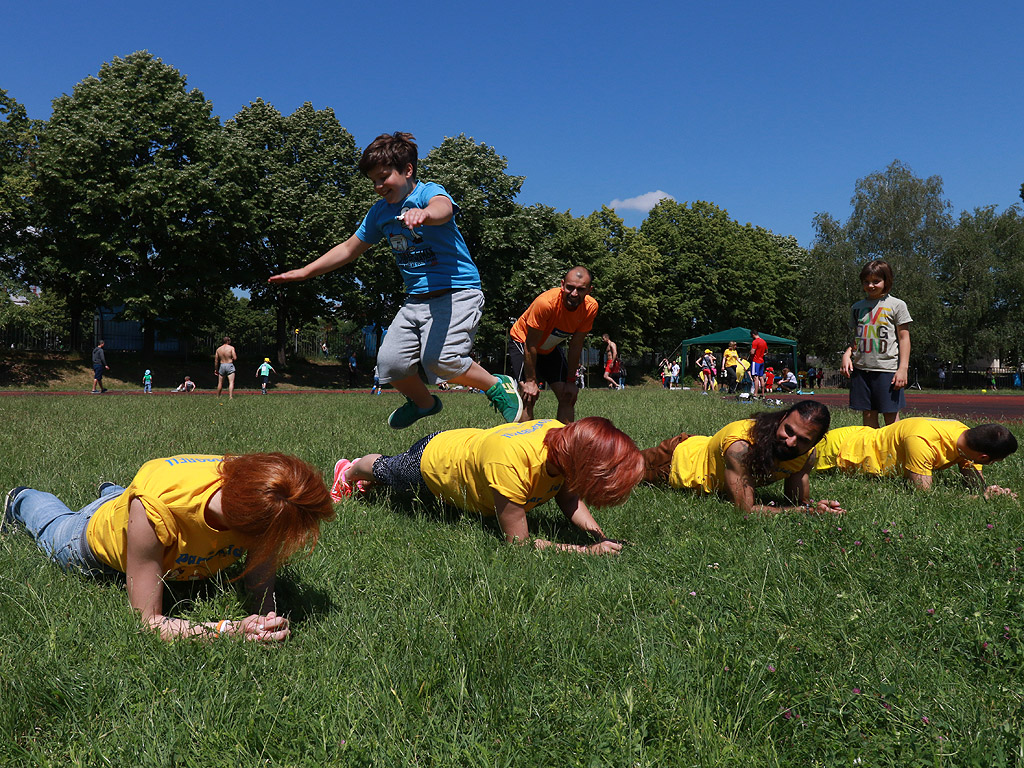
{"points": [[738, 335]]}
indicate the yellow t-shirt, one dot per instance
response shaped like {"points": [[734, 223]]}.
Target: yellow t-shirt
{"points": [[730, 358], [919, 445], [175, 492], [698, 463], [461, 466]]}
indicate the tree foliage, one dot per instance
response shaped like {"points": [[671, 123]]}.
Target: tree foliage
{"points": [[717, 274], [133, 203], [304, 194], [18, 139]]}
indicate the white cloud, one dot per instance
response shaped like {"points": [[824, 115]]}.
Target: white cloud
{"points": [[642, 203]]}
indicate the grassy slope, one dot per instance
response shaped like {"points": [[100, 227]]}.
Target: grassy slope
{"points": [[73, 373], [419, 638]]}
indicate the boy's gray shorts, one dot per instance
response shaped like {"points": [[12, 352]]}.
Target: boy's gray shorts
{"points": [[436, 331]]}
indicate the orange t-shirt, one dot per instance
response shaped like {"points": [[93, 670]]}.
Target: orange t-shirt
{"points": [[548, 314]]}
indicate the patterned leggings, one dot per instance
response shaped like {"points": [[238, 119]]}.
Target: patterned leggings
{"points": [[402, 472]]}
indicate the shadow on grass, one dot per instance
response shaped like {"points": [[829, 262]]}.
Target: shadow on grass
{"points": [[297, 599], [546, 521]]}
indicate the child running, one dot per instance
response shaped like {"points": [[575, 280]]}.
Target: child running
{"points": [[877, 360], [263, 373], [508, 470], [184, 518], [438, 321]]}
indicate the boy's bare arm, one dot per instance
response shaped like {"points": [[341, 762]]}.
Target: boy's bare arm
{"points": [[903, 340], [438, 211], [338, 256]]}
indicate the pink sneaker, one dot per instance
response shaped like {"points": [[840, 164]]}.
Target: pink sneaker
{"points": [[342, 488]]}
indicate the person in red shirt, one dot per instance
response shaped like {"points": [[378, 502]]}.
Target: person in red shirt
{"points": [[537, 354], [758, 347]]}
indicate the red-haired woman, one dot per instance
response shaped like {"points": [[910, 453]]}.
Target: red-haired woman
{"points": [[184, 518], [508, 470]]}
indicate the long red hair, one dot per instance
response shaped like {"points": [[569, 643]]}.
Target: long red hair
{"points": [[277, 502], [601, 464]]}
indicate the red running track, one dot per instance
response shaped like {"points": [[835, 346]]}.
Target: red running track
{"points": [[976, 407]]}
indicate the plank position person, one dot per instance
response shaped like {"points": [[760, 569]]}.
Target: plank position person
{"points": [[746, 454], [918, 447], [184, 518], [507, 471], [566, 312]]}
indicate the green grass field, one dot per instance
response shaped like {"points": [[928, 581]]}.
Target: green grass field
{"points": [[890, 636]]}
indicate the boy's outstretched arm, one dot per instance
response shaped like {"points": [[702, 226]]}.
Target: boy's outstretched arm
{"points": [[338, 256], [438, 211]]}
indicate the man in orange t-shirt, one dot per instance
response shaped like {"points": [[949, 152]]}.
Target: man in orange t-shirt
{"points": [[566, 312]]}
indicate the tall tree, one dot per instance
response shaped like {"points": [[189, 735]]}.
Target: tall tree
{"points": [[981, 279], [627, 282], [136, 201], [717, 274], [829, 289], [18, 138], [304, 196]]}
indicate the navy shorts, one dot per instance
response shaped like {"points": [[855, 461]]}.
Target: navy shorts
{"points": [[551, 368], [402, 472], [872, 391], [97, 372]]}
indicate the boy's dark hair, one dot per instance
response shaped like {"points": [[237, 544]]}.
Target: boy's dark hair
{"points": [[994, 440], [878, 268], [392, 150], [760, 459]]}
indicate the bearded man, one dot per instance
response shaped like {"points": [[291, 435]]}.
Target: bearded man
{"points": [[747, 454]]}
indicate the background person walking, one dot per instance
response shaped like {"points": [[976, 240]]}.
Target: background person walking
{"points": [[99, 365]]}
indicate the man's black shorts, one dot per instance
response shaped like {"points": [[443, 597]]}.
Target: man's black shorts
{"points": [[551, 368]]}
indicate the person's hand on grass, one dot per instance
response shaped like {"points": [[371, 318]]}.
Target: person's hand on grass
{"points": [[269, 628], [994, 490], [825, 507]]}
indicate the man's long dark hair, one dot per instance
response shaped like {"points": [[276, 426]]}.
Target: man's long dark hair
{"points": [[761, 459]]}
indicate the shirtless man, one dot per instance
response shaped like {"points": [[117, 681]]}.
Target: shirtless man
{"points": [[611, 354], [224, 366]]}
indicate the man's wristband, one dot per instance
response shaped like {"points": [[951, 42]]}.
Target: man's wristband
{"points": [[223, 625]]}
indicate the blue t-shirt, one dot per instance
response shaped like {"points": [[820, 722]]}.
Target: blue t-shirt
{"points": [[440, 261]]}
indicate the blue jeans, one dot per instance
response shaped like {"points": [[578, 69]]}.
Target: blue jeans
{"points": [[60, 532]]}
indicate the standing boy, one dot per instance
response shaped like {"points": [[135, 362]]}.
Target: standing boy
{"points": [[444, 301], [537, 354], [263, 373]]}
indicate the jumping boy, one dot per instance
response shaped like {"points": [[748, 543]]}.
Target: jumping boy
{"points": [[444, 301]]}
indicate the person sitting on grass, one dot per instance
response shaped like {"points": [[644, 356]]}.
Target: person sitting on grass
{"points": [[186, 386], [918, 447], [508, 470], [184, 518], [743, 455]]}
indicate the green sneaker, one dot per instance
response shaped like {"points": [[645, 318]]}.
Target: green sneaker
{"points": [[408, 414], [504, 396]]}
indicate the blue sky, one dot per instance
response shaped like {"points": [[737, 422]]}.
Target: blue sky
{"points": [[770, 110]]}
